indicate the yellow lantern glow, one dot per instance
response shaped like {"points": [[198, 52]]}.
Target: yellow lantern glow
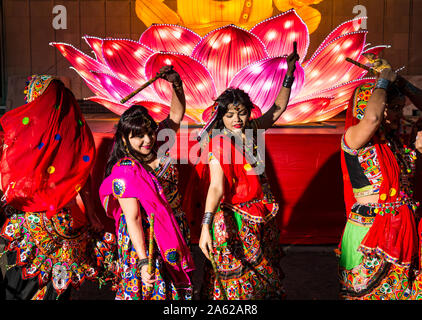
{"points": [[203, 16]]}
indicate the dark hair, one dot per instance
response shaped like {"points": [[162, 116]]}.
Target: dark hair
{"points": [[135, 121], [394, 92], [235, 97]]}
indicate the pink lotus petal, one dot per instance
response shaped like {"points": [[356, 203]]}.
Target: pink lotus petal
{"points": [[127, 59], [96, 45], [95, 86], [341, 95], [80, 61], [263, 80], [278, 33], [158, 111], [302, 111], [227, 50], [328, 66], [197, 82], [206, 115], [170, 38], [344, 28], [116, 88]]}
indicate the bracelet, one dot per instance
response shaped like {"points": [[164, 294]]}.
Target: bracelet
{"points": [[208, 217], [142, 262], [288, 81], [382, 84]]}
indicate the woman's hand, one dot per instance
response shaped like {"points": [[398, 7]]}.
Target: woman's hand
{"points": [[291, 60], [418, 142], [388, 74], [147, 278], [205, 242], [170, 74]]}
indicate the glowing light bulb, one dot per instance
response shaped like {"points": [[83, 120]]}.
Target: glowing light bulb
{"points": [[109, 52], [336, 48], [156, 110], [305, 108], [292, 36], [314, 73], [271, 35], [347, 44], [79, 60], [267, 85], [215, 45], [256, 69], [167, 61], [138, 53], [288, 24], [116, 46], [227, 39], [177, 34]]}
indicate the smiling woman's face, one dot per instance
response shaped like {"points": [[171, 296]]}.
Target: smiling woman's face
{"points": [[236, 117], [143, 144]]}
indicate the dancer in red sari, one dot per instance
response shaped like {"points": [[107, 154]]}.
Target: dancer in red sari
{"points": [[239, 234], [379, 247], [48, 153]]}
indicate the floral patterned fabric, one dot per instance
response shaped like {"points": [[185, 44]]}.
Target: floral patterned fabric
{"points": [[131, 286], [248, 263], [55, 251]]}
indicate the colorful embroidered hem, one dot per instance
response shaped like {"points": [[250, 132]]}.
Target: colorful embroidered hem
{"points": [[375, 279], [247, 261], [131, 286], [53, 251]]}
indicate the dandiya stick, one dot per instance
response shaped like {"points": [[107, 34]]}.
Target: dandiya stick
{"points": [[146, 84], [360, 65], [151, 244], [217, 276]]}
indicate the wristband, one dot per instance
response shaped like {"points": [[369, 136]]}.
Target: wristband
{"points": [[208, 217], [382, 84], [288, 81], [142, 262]]}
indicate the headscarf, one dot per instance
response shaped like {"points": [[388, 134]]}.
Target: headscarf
{"points": [[392, 235], [48, 149], [129, 179]]}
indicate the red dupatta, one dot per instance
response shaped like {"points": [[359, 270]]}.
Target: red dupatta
{"points": [[393, 236], [242, 190], [48, 151]]}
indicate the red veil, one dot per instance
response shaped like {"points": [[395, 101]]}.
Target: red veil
{"points": [[393, 236], [242, 184], [48, 151]]}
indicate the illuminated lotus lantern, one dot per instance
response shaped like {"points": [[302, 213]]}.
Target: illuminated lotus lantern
{"points": [[203, 16], [254, 61]]}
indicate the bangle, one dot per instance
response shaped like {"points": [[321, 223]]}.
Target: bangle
{"points": [[208, 217], [142, 262], [382, 84], [288, 81]]}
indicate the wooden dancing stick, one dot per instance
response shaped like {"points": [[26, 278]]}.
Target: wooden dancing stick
{"points": [[360, 65], [217, 277], [151, 244], [146, 84]]}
